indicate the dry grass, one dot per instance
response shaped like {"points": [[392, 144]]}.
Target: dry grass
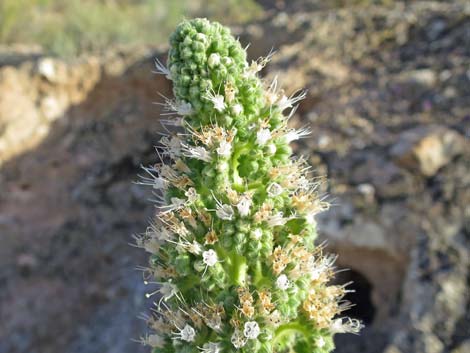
{"points": [[69, 27]]}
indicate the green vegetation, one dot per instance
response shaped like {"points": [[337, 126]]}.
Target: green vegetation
{"points": [[70, 27]]}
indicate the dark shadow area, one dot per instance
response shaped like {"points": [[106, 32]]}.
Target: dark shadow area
{"points": [[363, 308]]}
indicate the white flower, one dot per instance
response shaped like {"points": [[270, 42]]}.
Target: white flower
{"points": [[174, 146], [167, 172], [321, 266], [157, 182], [214, 322], [178, 107], [211, 347], [258, 65], [197, 152], [225, 212], [163, 235], [271, 149], [274, 189], [349, 326], [283, 103], [282, 282], [186, 334], [320, 342], [271, 94], [274, 318], [237, 339], [209, 257], [224, 149], [251, 330], [217, 100], [177, 202], [277, 219], [303, 183], [219, 103], [244, 205], [168, 290], [256, 234], [213, 60], [310, 218], [160, 183], [263, 136], [237, 109], [223, 166]]}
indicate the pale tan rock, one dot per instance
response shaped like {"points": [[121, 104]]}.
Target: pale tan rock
{"points": [[428, 148]]}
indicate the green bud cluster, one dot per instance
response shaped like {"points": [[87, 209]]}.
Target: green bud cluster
{"points": [[233, 260]]}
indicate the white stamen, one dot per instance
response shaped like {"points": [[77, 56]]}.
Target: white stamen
{"points": [[288, 102], [317, 268], [197, 152], [349, 326], [162, 69], [172, 107], [294, 134]]}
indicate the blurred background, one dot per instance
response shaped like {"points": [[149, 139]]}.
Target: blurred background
{"points": [[389, 105]]}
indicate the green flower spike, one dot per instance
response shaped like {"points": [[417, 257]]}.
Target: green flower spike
{"points": [[233, 263]]}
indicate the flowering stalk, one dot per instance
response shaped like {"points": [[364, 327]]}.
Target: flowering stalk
{"points": [[233, 263]]}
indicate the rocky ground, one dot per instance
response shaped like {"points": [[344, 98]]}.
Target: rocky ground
{"points": [[388, 103]]}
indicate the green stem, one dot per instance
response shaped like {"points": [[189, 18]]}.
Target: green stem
{"points": [[237, 181], [239, 269]]}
